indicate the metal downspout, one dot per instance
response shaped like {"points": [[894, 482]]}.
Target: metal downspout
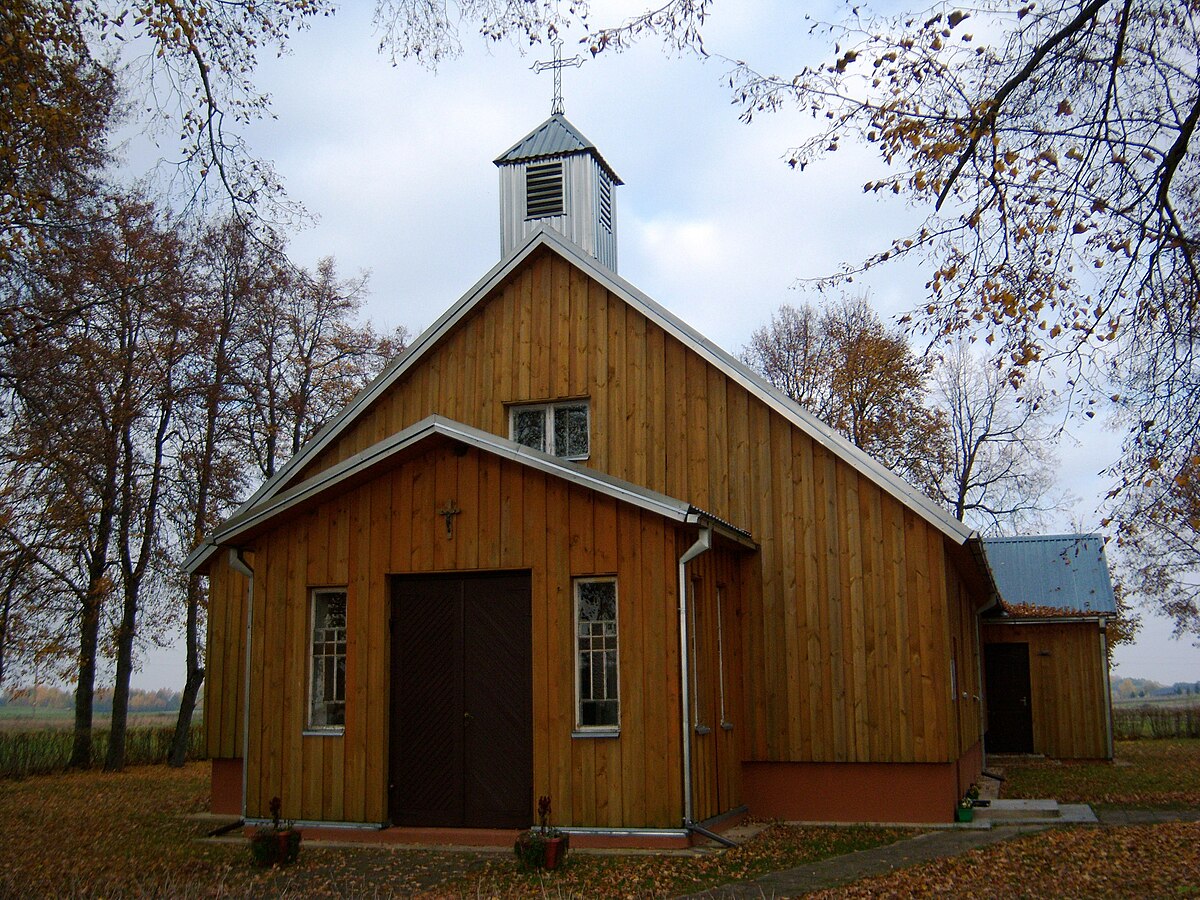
{"points": [[238, 563], [703, 544], [1107, 687]]}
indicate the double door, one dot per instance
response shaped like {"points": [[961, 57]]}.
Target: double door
{"points": [[461, 750]]}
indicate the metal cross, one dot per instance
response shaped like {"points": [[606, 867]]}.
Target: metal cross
{"points": [[557, 64], [449, 511]]}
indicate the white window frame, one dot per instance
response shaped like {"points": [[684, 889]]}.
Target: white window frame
{"points": [[310, 726], [548, 410], [582, 730]]}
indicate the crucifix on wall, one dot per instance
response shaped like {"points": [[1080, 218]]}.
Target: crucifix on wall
{"points": [[557, 64], [448, 511]]}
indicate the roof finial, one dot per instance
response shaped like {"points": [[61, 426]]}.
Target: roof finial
{"points": [[557, 64]]}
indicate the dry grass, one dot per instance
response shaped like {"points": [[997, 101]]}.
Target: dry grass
{"points": [[1146, 774], [94, 834]]}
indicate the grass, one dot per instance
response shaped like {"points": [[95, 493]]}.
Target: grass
{"points": [[778, 846], [96, 834], [1080, 862], [48, 750], [1148, 774]]}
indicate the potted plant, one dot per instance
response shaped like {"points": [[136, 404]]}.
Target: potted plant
{"points": [[966, 806], [557, 842], [544, 847], [276, 844]]}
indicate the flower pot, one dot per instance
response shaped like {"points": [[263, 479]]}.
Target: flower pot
{"points": [[275, 848], [964, 815], [556, 852]]}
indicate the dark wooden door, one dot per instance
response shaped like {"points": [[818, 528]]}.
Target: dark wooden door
{"points": [[462, 706], [1009, 703]]}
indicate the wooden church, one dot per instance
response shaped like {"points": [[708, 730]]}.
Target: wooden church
{"points": [[567, 546]]}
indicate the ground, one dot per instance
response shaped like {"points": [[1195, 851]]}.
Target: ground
{"points": [[94, 834]]}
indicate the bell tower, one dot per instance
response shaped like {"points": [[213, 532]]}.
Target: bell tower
{"points": [[555, 178]]}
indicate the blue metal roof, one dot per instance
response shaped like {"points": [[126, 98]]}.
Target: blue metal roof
{"points": [[554, 137], [1065, 571]]}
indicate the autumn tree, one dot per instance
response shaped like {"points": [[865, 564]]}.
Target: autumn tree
{"points": [[1052, 147], [231, 274], [306, 357], [853, 372], [147, 320], [1000, 463], [55, 103]]}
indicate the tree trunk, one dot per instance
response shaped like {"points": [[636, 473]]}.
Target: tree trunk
{"points": [[115, 759], [195, 676], [85, 688]]}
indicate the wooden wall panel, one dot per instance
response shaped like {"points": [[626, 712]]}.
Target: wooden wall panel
{"points": [[566, 532], [1069, 685]]}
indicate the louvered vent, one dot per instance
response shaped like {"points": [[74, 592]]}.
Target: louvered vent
{"points": [[544, 190], [606, 218]]}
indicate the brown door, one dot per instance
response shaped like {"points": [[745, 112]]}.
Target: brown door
{"points": [[462, 705], [1009, 703]]}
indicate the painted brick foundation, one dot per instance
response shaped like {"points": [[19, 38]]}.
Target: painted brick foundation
{"points": [[858, 792]]}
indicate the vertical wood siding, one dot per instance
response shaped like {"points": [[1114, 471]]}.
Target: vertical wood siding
{"points": [[1068, 680], [512, 518], [852, 607]]}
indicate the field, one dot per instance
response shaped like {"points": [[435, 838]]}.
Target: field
{"points": [[14, 719]]}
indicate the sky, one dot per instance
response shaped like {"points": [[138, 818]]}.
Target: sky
{"points": [[395, 165]]}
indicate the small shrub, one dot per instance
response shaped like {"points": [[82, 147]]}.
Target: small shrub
{"points": [[1137, 723]]}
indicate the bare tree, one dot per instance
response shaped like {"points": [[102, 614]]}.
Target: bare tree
{"points": [[1001, 466], [1053, 147], [306, 358]]}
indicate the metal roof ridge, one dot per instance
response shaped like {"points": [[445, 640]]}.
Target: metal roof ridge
{"points": [[1047, 538]]}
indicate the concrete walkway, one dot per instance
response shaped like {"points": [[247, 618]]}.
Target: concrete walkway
{"points": [[943, 842], [879, 861], [1146, 816]]}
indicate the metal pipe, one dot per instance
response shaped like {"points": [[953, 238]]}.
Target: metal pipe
{"points": [[239, 564], [703, 543], [1106, 675]]}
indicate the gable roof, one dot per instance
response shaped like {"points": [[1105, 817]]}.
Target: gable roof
{"points": [[1068, 572], [554, 137], [418, 437], [736, 370]]}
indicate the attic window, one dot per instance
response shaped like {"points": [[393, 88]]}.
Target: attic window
{"points": [[560, 429], [544, 190]]}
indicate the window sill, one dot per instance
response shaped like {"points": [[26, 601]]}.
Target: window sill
{"points": [[597, 733], [323, 732]]}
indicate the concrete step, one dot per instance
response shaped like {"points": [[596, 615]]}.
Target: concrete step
{"points": [[1014, 812], [1019, 810]]}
